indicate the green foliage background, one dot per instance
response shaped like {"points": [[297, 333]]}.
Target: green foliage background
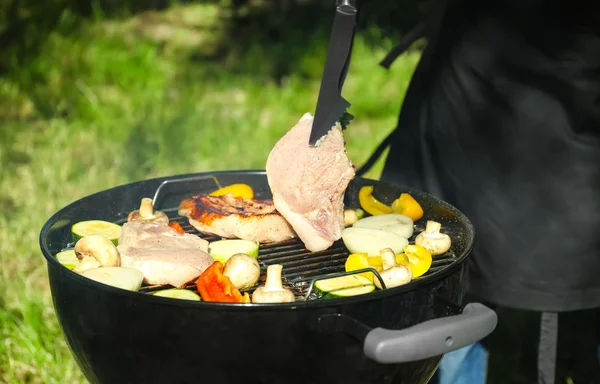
{"points": [[101, 94]]}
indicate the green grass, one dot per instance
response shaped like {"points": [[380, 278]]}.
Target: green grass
{"points": [[123, 100]]}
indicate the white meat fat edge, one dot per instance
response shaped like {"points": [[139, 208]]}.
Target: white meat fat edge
{"points": [[309, 116], [371, 241], [305, 231], [391, 222]]}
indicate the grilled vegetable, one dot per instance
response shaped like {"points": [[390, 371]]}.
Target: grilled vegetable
{"points": [[96, 227], [242, 191], [242, 270], [147, 213], [417, 258], [273, 290], [371, 241], [222, 250], [358, 261], [393, 275], [86, 263], [176, 226], [404, 205], [96, 247], [369, 203], [177, 293], [214, 286], [408, 206], [391, 222], [433, 240], [375, 261], [68, 258], [344, 286], [120, 277], [351, 216]]}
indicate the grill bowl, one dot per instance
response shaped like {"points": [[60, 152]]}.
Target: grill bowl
{"points": [[118, 336]]}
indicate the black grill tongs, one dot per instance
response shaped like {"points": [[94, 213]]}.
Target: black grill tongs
{"points": [[331, 106]]}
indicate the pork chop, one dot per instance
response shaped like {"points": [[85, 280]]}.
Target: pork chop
{"points": [[231, 217], [162, 254], [308, 183]]}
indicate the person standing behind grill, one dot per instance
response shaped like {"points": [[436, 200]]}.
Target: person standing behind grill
{"points": [[502, 119]]}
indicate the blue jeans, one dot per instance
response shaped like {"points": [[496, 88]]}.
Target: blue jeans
{"points": [[467, 365]]}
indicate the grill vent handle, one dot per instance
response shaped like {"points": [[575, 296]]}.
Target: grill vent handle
{"points": [[431, 338]]}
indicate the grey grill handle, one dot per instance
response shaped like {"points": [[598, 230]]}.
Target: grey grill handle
{"points": [[431, 338]]}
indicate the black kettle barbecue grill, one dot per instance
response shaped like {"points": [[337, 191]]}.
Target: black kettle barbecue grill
{"points": [[396, 335]]}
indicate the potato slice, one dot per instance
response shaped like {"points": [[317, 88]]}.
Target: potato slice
{"points": [[119, 277], [391, 222], [371, 241]]}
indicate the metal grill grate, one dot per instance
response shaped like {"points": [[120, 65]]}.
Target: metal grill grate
{"points": [[300, 266]]}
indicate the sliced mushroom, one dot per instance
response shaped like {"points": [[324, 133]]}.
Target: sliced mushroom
{"points": [[86, 263], [273, 290], [242, 270], [393, 275], [433, 240], [99, 248], [147, 213]]}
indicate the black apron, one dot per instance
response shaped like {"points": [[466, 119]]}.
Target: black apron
{"points": [[502, 119]]}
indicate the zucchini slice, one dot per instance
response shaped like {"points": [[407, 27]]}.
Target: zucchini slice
{"points": [[96, 227], [178, 293], [222, 250], [344, 286], [67, 258]]}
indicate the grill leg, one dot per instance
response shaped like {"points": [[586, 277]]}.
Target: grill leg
{"points": [[547, 348]]}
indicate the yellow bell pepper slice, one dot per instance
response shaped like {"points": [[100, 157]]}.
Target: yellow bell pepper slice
{"points": [[242, 191], [407, 205], [417, 258], [370, 204], [402, 259], [358, 261], [375, 261]]}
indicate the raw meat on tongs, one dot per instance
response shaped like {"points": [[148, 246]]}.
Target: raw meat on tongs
{"points": [[308, 183]]}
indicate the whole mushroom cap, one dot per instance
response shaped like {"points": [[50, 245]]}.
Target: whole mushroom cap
{"points": [[433, 240], [242, 270], [273, 291], [393, 275]]}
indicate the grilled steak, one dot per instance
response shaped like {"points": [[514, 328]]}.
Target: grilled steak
{"points": [[308, 183], [162, 254], [231, 217]]}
